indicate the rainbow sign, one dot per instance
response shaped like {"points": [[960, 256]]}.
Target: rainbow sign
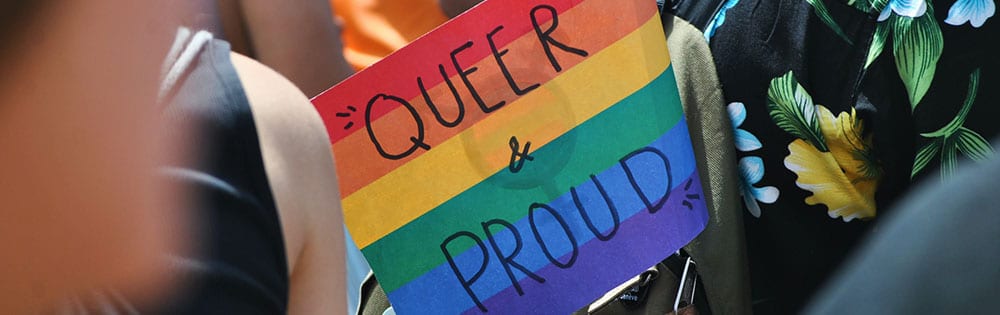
{"points": [[525, 157]]}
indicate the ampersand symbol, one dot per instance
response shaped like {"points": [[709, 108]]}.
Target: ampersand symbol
{"points": [[517, 158]]}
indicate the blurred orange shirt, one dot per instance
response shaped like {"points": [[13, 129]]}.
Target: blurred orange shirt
{"points": [[372, 29]]}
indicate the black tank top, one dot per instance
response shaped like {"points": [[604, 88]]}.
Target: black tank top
{"points": [[239, 265]]}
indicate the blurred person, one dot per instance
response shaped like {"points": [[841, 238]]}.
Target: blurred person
{"points": [[85, 141], [81, 137], [935, 254]]}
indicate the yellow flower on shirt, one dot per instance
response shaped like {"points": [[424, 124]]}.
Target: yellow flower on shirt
{"points": [[843, 178], [830, 157]]}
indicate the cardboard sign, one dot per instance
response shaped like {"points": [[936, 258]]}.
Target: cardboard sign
{"points": [[525, 157]]}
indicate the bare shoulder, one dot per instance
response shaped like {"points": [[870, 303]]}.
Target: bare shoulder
{"points": [[279, 101], [300, 168]]}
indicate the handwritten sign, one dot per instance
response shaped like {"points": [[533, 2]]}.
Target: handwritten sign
{"points": [[523, 158]]}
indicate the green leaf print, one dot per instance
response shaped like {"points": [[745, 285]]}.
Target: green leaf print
{"points": [[925, 155], [959, 120], [824, 15], [949, 158], [868, 6], [954, 138], [917, 44], [878, 42], [973, 145], [877, 5], [792, 109]]}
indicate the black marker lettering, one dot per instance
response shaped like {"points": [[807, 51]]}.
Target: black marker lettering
{"points": [[586, 217], [517, 158], [508, 260], [430, 103], [418, 141], [467, 284], [503, 67], [546, 36], [541, 242], [464, 74], [635, 185]]}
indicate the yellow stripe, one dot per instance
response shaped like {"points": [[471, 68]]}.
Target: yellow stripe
{"points": [[480, 151]]}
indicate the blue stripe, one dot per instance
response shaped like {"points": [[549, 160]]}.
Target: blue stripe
{"points": [[439, 290]]}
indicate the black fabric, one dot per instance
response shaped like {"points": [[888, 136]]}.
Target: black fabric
{"points": [[791, 248], [796, 242], [700, 11], [239, 265]]}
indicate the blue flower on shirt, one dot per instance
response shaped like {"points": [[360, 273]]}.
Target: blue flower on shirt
{"points": [[745, 141], [751, 172], [973, 11], [909, 8], [751, 167], [719, 19]]}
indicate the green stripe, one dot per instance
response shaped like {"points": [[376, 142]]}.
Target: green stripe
{"points": [[590, 147]]}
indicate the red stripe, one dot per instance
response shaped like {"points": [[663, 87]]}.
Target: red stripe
{"points": [[421, 59], [586, 26]]}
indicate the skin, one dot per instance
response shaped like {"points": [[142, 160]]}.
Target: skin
{"points": [[297, 38], [304, 182], [303, 179], [81, 138], [301, 172], [453, 8]]}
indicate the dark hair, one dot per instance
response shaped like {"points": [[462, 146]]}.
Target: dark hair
{"points": [[14, 14]]}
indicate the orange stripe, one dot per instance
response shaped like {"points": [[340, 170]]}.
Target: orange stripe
{"points": [[464, 161], [426, 51], [585, 27]]}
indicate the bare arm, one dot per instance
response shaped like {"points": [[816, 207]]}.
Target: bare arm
{"points": [[300, 169]]}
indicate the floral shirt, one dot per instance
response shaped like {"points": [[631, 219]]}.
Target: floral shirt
{"points": [[837, 107]]}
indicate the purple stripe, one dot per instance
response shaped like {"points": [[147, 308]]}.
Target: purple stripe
{"points": [[567, 290], [440, 290]]}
